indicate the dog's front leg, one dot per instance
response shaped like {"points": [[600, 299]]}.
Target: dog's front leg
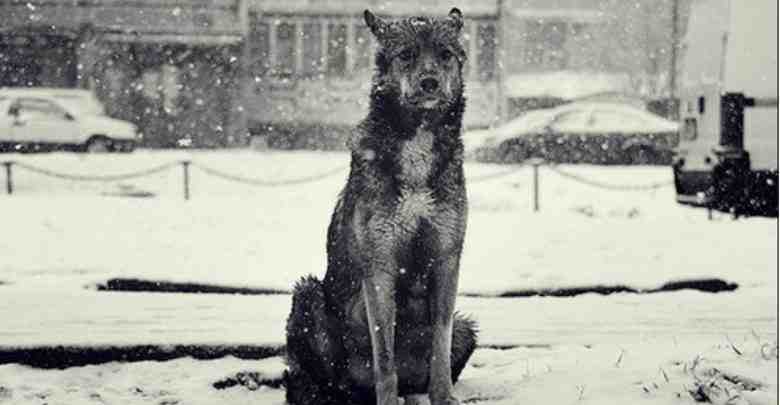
{"points": [[445, 287], [379, 295]]}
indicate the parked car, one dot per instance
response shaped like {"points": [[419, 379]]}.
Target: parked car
{"points": [[60, 119], [580, 132]]}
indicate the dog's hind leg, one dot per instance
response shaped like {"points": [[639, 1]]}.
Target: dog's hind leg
{"points": [[311, 375]]}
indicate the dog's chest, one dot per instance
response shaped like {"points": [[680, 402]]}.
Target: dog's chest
{"points": [[415, 160], [415, 163]]}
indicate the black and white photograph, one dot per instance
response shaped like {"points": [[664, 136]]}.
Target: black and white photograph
{"points": [[388, 202]]}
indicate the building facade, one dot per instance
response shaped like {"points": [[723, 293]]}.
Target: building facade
{"points": [[311, 64], [297, 73], [559, 50]]}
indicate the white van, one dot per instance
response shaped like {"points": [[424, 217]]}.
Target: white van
{"points": [[55, 119], [727, 155]]}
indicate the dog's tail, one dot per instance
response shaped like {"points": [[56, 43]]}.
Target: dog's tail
{"points": [[306, 314], [464, 342], [311, 360]]}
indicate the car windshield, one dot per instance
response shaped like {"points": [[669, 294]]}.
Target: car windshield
{"points": [[528, 122]]}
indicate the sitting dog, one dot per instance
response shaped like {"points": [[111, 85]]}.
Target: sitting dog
{"points": [[382, 322]]}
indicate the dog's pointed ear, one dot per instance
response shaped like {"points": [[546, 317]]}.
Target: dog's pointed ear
{"points": [[376, 24], [456, 16]]}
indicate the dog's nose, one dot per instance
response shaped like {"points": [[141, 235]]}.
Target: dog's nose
{"points": [[429, 84]]}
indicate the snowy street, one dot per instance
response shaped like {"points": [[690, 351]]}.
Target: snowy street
{"points": [[585, 349]]}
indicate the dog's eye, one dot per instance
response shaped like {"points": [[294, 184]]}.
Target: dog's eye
{"points": [[446, 55], [406, 55]]}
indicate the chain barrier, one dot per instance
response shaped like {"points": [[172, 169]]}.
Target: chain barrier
{"points": [[269, 183], [608, 186], [310, 179], [103, 178], [493, 176]]}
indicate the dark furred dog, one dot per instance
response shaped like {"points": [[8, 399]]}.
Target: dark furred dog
{"points": [[382, 323]]}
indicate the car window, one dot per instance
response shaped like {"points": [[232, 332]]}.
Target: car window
{"points": [[571, 121], [36, 108], [84, 103], [617, 121], [532, 121], [690, 130]]}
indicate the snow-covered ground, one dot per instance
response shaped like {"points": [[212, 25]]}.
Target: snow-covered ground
{"points": [[230, 233], [62, 236], [648, 372]]}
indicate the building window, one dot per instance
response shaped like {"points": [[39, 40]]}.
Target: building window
{"points": [[466, 42], [534, 45], [161, 86], [545, 46], [284, 62], [486, 48], [555, 37], [259, 47], [578, 29], [337, 49], [363, 49], [312, 48]]}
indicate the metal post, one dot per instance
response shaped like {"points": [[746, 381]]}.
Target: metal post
{"points": [[185, 165], [500, 53], [9, 182], [536, 186], [675, 46], [240, 87]]}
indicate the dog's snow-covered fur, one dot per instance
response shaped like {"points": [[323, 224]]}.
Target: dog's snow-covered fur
{"points": [[382, 323]]}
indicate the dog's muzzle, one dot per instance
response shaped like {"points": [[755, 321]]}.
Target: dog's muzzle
{"points": [[429, 94], [429, 85]]}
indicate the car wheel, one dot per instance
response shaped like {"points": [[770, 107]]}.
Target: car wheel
{"points": [[98, 145], [124, 146], [642, 156]]}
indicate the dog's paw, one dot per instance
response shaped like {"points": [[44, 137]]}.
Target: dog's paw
{"points": [[416, 400], [444, 400]]}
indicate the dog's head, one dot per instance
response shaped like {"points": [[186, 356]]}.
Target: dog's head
{"points": [[420, 60]]}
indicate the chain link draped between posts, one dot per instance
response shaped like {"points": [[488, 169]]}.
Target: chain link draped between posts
{"points": [[570, 176], [100, 178], [593, 183], [493, 176], [608, 186], [536, 163], [269, 183], [310, 179], [9, 165]]}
